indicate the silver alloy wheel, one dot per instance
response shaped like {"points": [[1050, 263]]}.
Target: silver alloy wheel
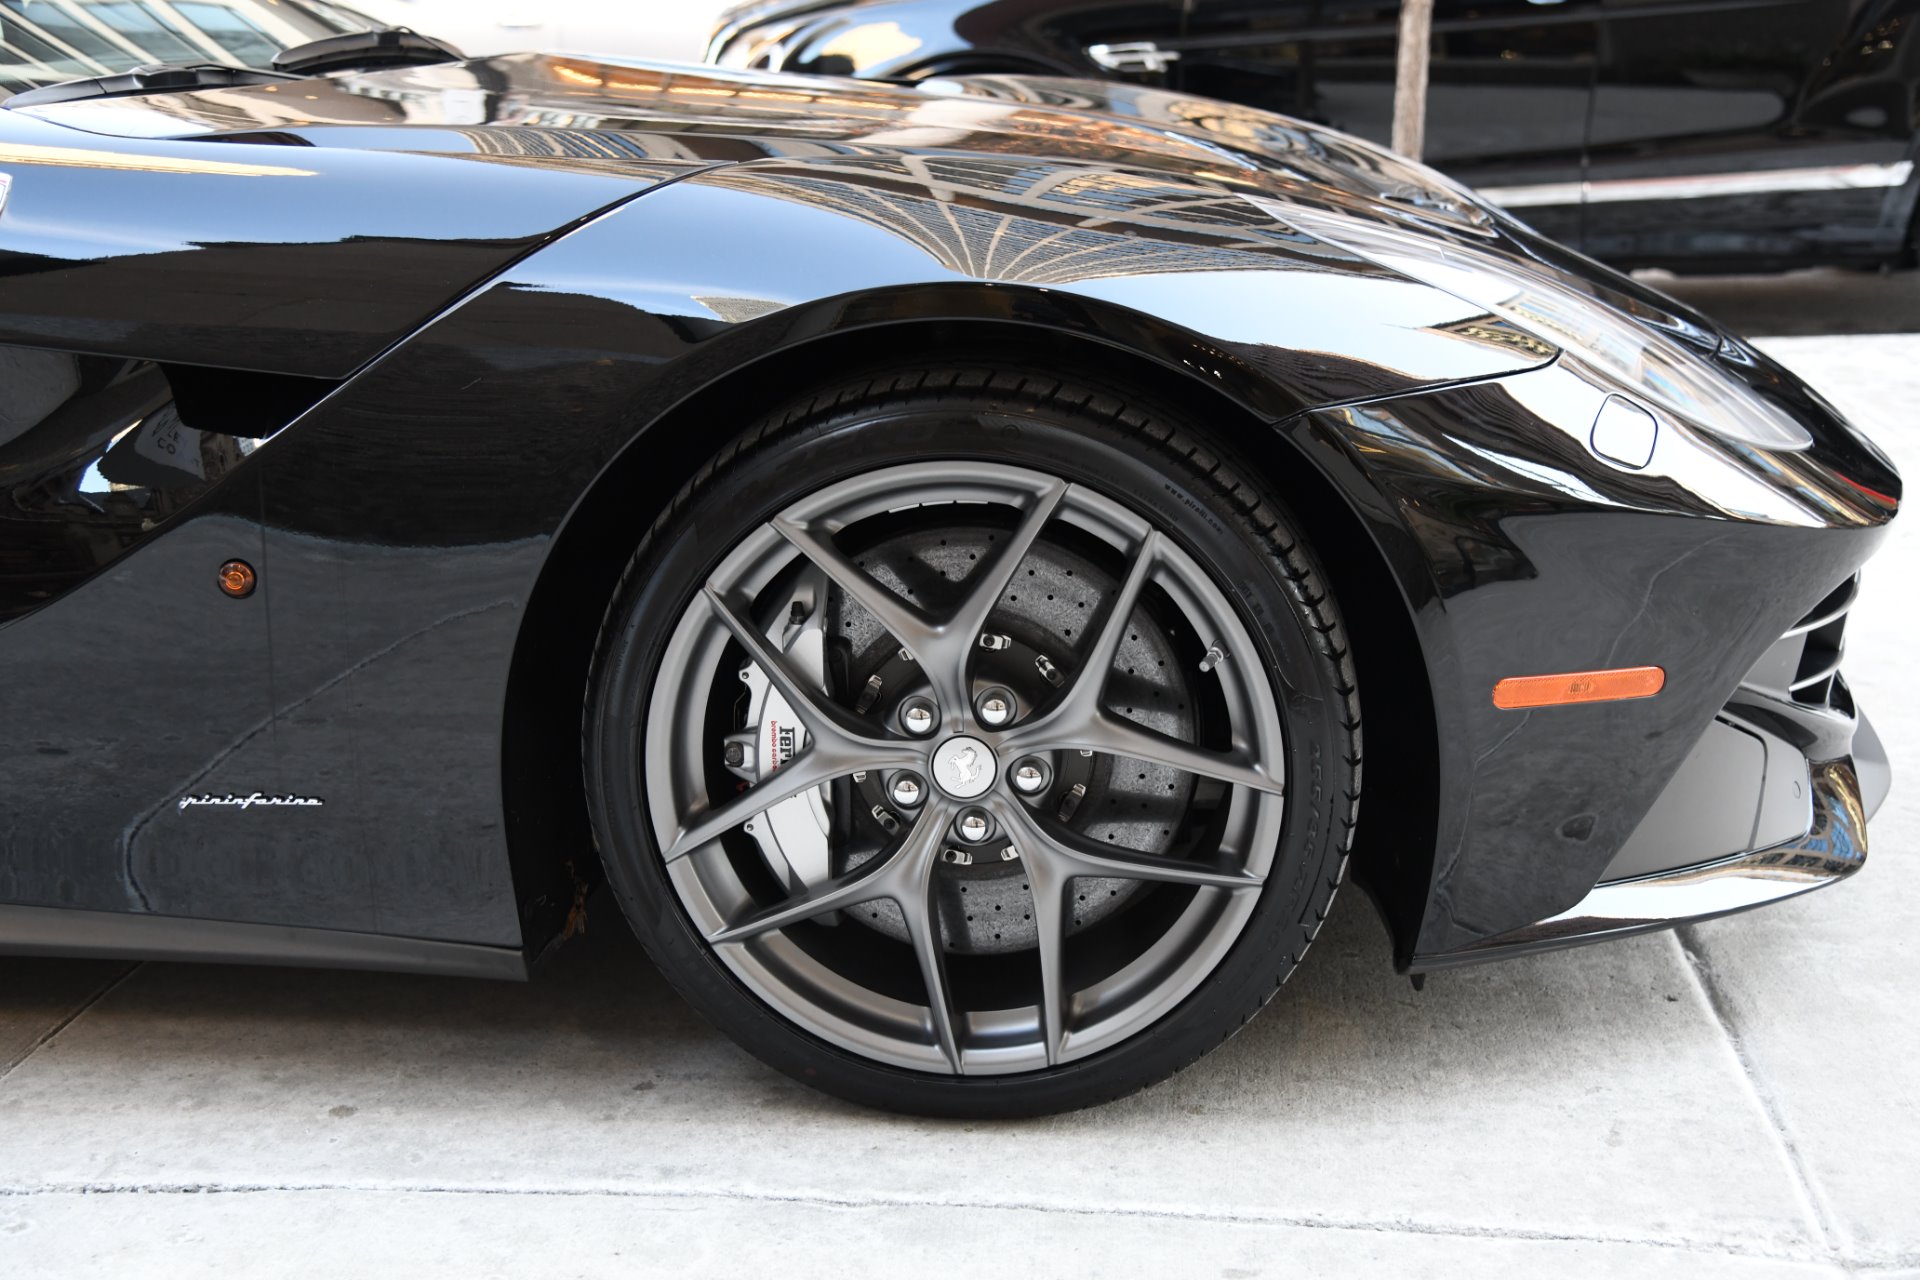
{"points": [[849, 993]]}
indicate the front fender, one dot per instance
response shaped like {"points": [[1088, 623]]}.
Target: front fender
{"points": [[412, 518], [1293, 323]]}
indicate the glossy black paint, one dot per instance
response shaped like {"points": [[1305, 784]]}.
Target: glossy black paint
{"points": [[1833, 849], [42, 931], [437, 529], [355, 258], [1523, 95], [1537, 564]]}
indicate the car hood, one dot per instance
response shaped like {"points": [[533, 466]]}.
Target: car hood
{"points": [[587, 113], [582, 116]]}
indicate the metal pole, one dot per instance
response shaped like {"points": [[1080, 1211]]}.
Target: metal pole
{"points": [[1410, 78]]}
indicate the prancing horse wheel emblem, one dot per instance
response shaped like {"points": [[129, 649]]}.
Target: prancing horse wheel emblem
{"points": [[964, 767], [967, 764]]}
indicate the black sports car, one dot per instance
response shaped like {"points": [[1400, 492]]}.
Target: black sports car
{"points": [[1711, 135], [933, 553]]}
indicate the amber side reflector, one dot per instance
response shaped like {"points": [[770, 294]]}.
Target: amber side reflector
{"points": [[1516, 693], [237, 579]]}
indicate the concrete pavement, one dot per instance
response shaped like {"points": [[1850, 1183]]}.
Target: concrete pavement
{"points": [[1738, 1099]]}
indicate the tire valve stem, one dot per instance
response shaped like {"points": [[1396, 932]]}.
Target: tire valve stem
{"points": [[870, 694], [1215, 655], [1048, 672], [1071, 801], [888, 823]]}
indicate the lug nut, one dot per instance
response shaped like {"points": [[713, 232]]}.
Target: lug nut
{"points": [[916, 716], [995, 708], [1029, 777], [908, 791], [974, 826]]}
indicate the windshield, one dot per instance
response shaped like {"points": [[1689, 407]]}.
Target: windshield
{"points": [[43, 42]]}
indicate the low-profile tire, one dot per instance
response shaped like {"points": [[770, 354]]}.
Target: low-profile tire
{"points": [[1126, 805]]}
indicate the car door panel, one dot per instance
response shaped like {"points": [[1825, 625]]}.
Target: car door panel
{"points": [[1510, 81], [1760, 131]]}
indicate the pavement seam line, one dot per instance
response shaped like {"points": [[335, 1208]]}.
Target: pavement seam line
{"points": [[105, 990], [1462, 1231], [1813, 1201]]}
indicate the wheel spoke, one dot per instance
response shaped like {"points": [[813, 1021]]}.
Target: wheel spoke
{"points": [[1049, 883], [911, 884], [863, 884], [1078, 708], [990, 580], [1129, 864], [1091, 679], [1079, 720], [815, 766], [906, 623], [825, 722], [932, 956], [878, 877], [1075, 856], [1114, 736]]}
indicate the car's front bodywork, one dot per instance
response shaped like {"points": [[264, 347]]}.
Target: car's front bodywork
{"points": [[486, 317]]}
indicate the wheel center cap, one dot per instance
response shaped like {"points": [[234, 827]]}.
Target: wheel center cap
{"points": [[964, 767]]}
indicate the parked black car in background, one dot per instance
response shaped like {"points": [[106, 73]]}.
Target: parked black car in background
{"points": [[1692, 134]]}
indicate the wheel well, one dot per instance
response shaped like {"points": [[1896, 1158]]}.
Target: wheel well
{"points": [[545, 808]]}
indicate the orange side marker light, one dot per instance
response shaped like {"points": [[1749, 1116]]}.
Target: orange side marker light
{"points": [[237, 579], [1517, 693]]}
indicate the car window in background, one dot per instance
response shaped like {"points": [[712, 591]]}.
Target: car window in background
{"points": [[43, 42], [234, 31]]}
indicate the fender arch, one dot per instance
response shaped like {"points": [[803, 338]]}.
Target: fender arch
{"points": [[545, 801]]}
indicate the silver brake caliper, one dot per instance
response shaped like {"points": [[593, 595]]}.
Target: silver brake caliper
{"points": [[792, 834]]}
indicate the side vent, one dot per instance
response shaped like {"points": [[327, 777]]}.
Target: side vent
{"points": [[234, 402], [1824, 633], [1803, 666]]}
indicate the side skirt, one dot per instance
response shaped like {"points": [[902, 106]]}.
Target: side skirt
{"points": [[51, 931]]}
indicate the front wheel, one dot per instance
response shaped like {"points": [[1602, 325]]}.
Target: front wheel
{"points": [[972, 744]]}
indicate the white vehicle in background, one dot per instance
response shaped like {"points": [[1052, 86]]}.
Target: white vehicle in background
{"points": [[615, 28]]}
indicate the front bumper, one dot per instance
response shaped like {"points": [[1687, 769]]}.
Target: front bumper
{"points": [[1772, 802], [1834, 848]]}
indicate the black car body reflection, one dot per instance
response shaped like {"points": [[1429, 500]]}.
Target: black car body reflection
{"points": [[1726, 135], [424, 347]]}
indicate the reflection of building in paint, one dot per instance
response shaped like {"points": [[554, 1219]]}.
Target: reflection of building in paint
{"points": [[577, 144], [46, 41], [1035, 222], [1491, 328]]}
